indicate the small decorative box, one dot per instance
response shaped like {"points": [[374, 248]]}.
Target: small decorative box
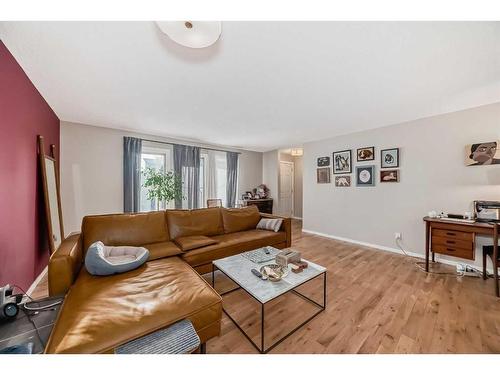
{"points": [[283, 258]]}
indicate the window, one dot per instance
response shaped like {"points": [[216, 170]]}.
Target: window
{"points": [[158, 158], [213, 176]]}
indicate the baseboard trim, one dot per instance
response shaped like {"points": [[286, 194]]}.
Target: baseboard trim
{"points": [[390, 249], [35, 283]]}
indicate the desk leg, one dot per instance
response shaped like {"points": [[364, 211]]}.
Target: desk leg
{"points": [[427, 232], [495, 257]]}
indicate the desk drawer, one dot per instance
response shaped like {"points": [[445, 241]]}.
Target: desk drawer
{"points": [[452, 242], [453, 234], [453, 251]]}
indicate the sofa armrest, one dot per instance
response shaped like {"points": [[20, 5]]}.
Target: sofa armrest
{"points": [[64, 265], [285, 227]]}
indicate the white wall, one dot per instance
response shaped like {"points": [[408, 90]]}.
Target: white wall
{"points": [[433, 177], [92, 171]]}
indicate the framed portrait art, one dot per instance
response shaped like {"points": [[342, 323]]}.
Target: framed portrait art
{"points": [[365, 175], [485, 153], [324, 161], [342, 162], [365, 153], [323, 175], [389, 175], [342, 181], [389, 158]]}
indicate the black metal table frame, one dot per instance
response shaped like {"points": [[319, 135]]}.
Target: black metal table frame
{"points": [[262, 348]]}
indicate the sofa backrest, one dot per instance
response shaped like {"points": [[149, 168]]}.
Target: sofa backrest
{"points": [[199, 222], [125, 229], [240, 219]]}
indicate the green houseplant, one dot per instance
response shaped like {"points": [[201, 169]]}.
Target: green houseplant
{"points": [[162, 186]]}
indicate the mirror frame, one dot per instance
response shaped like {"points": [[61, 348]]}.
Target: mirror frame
{"points": [[42, 157]]}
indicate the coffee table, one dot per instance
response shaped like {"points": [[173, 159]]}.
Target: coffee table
{"points": [[238, 269]]}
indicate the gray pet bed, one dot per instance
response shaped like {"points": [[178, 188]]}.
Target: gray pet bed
{"points": [[104, 260]]}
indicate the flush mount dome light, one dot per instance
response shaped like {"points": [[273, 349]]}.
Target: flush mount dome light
{"points": [[193, 34]]}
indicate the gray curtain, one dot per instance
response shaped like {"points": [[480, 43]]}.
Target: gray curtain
{"points": [[187, 165], [232, 178], [132, 148]]}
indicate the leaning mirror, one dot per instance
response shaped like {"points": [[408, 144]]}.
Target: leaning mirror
{"points": [[51, 195]]}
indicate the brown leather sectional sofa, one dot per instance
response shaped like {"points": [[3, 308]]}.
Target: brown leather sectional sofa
{"points": [[102, 312]]}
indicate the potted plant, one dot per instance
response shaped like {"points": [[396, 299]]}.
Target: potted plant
{"points": [[162, 186]]}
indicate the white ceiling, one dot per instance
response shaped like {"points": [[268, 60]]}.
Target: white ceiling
{"points": [[263, 85]]}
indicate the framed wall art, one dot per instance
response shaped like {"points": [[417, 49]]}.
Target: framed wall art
{"points": [[342, 181], [389, 158], [486, 153], [324, 161], [342, 162], [323, 175], [389, 175], [365, 153], [365, 175]]}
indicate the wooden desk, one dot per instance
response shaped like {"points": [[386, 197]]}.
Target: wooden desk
{"points": [[457, 239], [264, 205]]}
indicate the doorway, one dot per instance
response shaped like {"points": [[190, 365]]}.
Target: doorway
{"points": [[286, 188]]}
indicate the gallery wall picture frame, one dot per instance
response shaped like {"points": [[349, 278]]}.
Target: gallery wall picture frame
{"points": [[365, 153], [342, 162], [365, 175], [484, 153], [323, 175], [324, 161], [389, 175], [343, 181], [389, 158]]}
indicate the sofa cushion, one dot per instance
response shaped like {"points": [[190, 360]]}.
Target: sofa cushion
{"points": [[240, 219], [162, 250], [194, 242], [233, 243], [101, 313], [125, 229], [201, 222]]}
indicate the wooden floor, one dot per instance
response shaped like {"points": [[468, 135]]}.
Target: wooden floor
{"points": [[377, 302]]}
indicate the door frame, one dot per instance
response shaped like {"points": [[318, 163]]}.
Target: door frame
{"points": [[293, 185]]}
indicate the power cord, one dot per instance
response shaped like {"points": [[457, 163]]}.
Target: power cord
{"points": [[420, 264], [38, 308]]}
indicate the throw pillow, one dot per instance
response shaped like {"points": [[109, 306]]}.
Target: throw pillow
{"points": [[270, 224], [104, 260]]}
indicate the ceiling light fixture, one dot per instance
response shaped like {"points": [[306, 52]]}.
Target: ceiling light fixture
{"points": [[297, 152], [193, 34]]}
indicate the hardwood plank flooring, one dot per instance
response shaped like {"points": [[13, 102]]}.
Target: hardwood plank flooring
{"points": [[377, 302]]}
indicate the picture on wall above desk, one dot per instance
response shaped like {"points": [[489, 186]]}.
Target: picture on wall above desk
{"points": [[342, 162], [389, 175], [324, 161], [365, 175], [323, 175], [389, 158], [342, 181], [486, 153], [366, 153]]}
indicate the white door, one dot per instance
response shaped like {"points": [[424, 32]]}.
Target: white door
{"points": [[286, 188]]}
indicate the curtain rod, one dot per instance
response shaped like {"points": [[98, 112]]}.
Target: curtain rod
{"points": [[203, 148]]}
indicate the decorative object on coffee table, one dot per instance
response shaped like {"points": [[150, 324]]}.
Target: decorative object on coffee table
{"points": [[238, 269], [323, 175], [365, 175], [389, 158], [365, 153], [342, 162], [283, 258]]}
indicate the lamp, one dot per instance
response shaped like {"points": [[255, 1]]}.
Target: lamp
{"points": [[193, 34], [297, 152]]}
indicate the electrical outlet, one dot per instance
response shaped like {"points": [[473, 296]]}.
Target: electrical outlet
{"points": [[397, 236]]}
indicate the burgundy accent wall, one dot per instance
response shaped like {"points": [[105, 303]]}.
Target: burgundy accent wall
{"points": [[23, 115]]}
